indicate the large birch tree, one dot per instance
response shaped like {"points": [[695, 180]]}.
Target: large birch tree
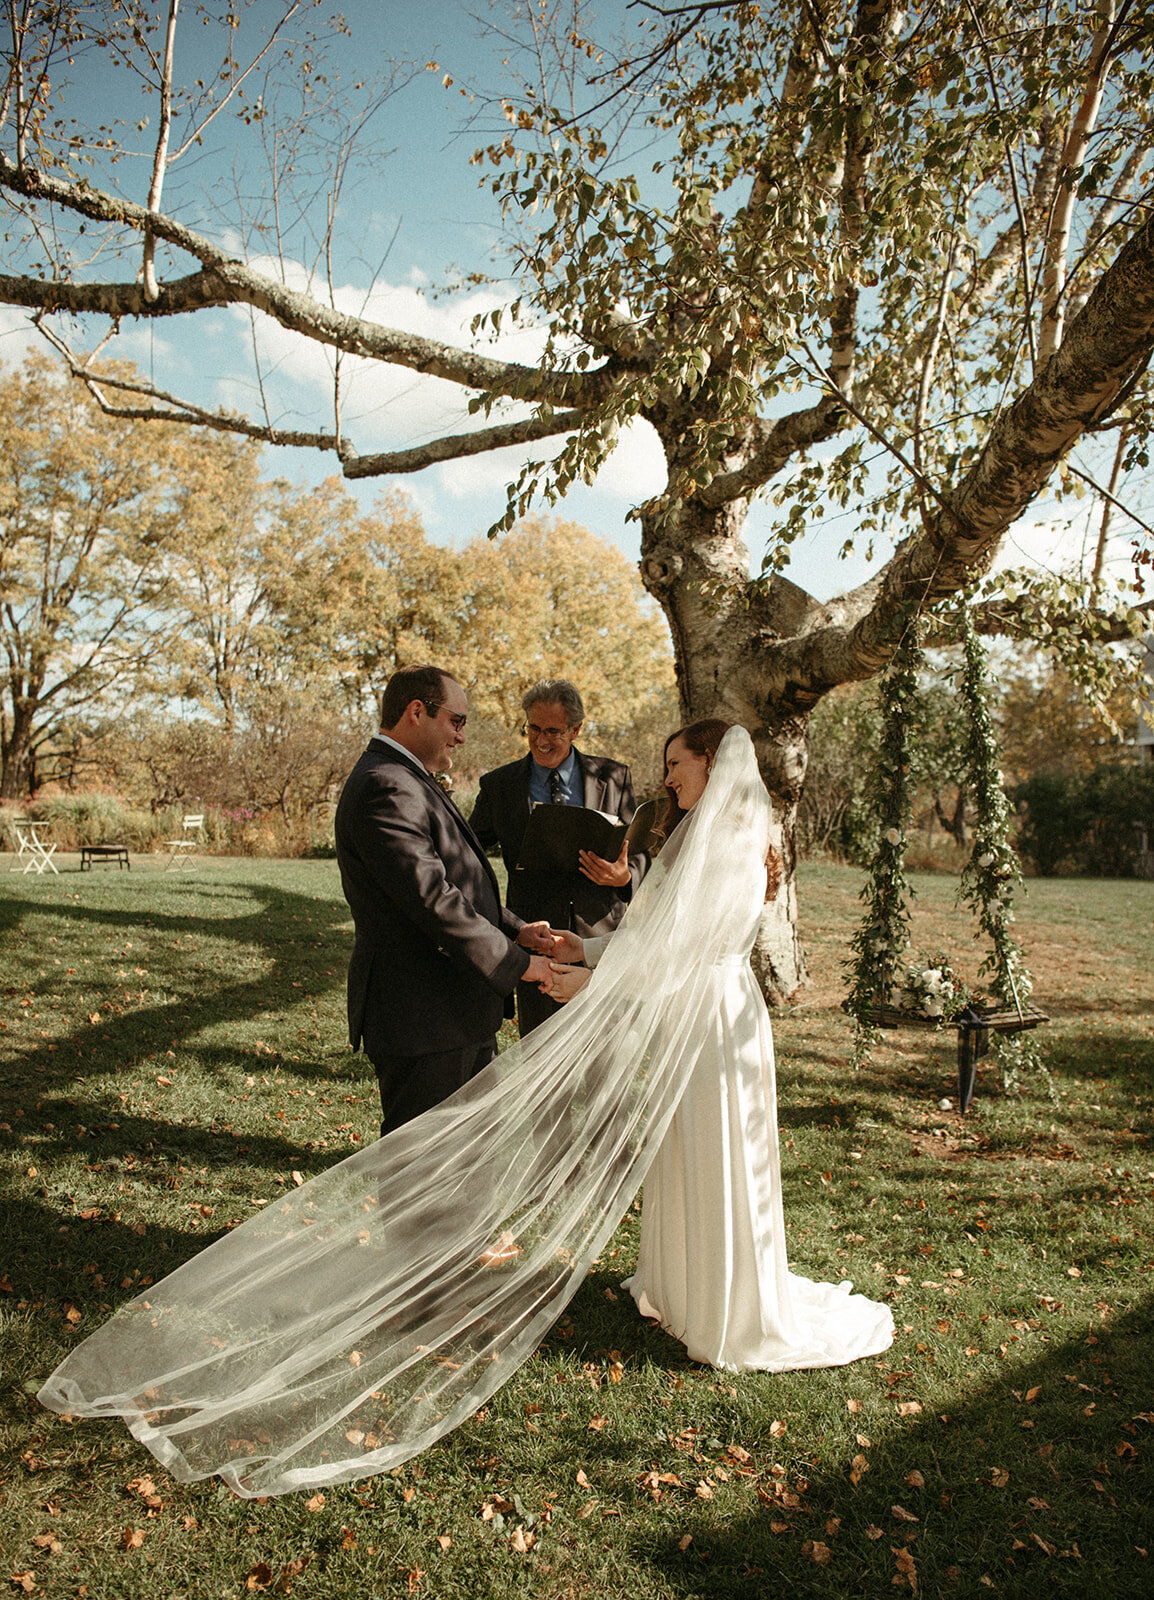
{"points": [[831, 251]]}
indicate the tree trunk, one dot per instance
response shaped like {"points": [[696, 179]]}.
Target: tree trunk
{"points": [[18, 754]]}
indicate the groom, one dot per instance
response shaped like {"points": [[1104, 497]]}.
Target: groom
{"points": [[435, 958]]}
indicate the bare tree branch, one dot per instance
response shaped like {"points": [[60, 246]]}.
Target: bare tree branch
{"points": [[1057, 246], [464, 444], [779, 442], [225, 280]]}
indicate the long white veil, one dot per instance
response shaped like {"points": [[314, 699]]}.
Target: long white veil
{"points": [[352, 1323]]}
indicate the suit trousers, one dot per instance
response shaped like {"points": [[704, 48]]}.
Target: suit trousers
{"points": [[410, 1085]]}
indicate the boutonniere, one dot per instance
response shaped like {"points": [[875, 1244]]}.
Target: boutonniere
{"points": [[444, 780]]}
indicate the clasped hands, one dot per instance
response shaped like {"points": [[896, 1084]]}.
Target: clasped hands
{"points": [[557, 978]]}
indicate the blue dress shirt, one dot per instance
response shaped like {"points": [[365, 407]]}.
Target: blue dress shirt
{"points": [[572, 782]]}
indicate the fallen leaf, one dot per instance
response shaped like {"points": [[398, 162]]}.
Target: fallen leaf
{"points": [[853, 1407], [582, 1479], [906, 1569], [873, 1531], [820, 1554], [909, 1408], [597, 1423], [903, 1515], [445, 1540], [49, 1542], [1050, 1549], [779, 1527], [259, 1577], [684, 1542], [521, 1541], [25, 1581], [587, 1509], [776, 1429], [832, 1526], [415, 1579], [297, 1178], [999, 1477], [1032, 1394], [132, 1538], [315, 1503], [915, 1479]]}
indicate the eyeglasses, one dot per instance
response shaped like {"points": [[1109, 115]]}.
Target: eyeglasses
{"points": [[458, 719], [534, 732]]}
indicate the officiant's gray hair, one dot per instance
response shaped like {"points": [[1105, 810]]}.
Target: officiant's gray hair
{"points": [[556, 690]]}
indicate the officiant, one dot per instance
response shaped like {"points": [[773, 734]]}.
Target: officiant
{"points": [[591, 899]]}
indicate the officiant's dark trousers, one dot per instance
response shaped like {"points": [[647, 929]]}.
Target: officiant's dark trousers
{"points": [[412, 1084]]}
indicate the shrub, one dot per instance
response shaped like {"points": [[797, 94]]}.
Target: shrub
{"points": [[76, 819], [1100, 822]]}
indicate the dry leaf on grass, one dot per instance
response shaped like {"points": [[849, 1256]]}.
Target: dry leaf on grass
{"points": [[820, 1554], [132, 1538], [906, 1569]]}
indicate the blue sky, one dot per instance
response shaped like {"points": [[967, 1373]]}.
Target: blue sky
{"points": [[405, 225]]}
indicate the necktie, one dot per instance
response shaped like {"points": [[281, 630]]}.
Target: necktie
{"points": [[556, 792]]}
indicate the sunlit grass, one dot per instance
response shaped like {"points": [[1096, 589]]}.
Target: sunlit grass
{"points": [[173, 1051]]}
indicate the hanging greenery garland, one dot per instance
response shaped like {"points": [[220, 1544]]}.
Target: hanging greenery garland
{"points": [[928, 990], [880, 944], [993, 872]]}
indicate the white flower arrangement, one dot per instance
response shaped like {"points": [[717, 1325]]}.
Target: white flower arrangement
{"points": [[931, 988]]}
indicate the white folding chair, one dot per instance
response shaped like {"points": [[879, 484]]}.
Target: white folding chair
{"points": [[39, 851], [182, 850]]}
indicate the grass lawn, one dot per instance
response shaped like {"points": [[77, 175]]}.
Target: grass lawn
{"points": [[172, 1052]]}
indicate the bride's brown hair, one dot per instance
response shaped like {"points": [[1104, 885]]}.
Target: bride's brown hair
{"points": [[702, 739]]}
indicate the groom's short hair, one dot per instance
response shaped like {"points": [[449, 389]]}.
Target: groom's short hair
{"points": [[423, 683]]}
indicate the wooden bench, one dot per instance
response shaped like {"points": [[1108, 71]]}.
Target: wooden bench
{"points": [[975, 1024], [104, 852]]}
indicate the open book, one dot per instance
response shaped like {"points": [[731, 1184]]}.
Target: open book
{"points": [[555, 835]]}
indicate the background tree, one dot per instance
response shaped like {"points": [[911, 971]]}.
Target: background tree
{"points": [[87, 522], [866, 233]]}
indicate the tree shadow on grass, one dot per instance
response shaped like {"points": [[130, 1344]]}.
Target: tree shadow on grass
{"points": [[1042, 1481], [312, 959]]}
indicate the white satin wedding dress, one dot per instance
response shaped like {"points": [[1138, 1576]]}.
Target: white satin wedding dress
{"points": [[347, 1326]]}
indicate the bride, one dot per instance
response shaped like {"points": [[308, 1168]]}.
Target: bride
{"points": [[349, 1325], [712, 1263]]}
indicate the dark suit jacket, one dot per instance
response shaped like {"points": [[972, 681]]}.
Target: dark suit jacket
{"points": [[568, 899], [433, 968]]}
